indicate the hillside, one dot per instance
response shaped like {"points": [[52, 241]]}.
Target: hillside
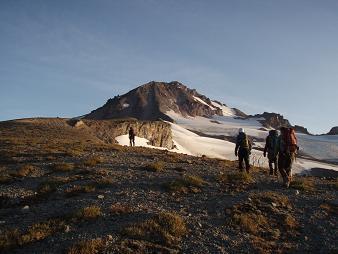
{"points": [[70, 190]]}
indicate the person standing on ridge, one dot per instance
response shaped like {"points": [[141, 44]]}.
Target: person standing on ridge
{"points": [[287, 148], [243, 150], [271, 149], [131, 136]]}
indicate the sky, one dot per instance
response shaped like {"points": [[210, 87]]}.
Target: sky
{"points": [[67, 57]]}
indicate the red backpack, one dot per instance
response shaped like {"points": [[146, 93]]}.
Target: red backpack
{"points": [[290, 140]]}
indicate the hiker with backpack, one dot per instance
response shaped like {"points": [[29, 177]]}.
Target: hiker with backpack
{"points": [[286, 148], [131, 136], [243, 150], [270, 149]]}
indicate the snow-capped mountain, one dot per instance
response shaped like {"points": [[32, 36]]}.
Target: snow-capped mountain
{"points": [[152, 100], [201, 126]]}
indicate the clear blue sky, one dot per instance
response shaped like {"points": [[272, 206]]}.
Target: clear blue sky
{"points": [[66, 58]]}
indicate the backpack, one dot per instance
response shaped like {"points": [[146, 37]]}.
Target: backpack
{"points": [[272, 140], [243, 140], [290, 140]]}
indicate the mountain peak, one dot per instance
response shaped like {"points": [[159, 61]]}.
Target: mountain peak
{"points": [[154, 99]]}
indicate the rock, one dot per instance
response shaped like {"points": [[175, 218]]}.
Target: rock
{"points": [[25, 208], [274, 204], [199, 224], [100, 197], [67, 229], [110, 237], [2, 222], [297, 192]]}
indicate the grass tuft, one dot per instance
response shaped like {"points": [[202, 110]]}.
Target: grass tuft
{"points": [[303, 184], [25, 170], [92, 246], [89, 213], [164, 228], [156, 166], [63, 167]]}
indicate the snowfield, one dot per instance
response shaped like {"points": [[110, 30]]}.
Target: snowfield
{"points": [[319, 147], [324, 148]]}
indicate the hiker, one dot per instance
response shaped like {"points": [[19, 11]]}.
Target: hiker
{"points": [[271, 149], [286, 148], [243, 150], [131, 136]]}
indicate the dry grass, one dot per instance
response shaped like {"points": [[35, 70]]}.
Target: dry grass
{"points": [[251, 222], [92, 246], [5, 179], [156, 166], [42, 230], [14, 238], [77, 190], [290, 222], [63, 167], [270, 197], [164, 228], [92, 161], [303, 184], [49, 186], [9, 238], [118, 209], [25, 170], [89, 213], [330, 208], [185, 184], [235, 178], [268, 218], [103, 182]]}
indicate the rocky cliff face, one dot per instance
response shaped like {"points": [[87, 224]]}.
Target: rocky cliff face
{"points": [[157, 132], [152, 100], [272, 120], [333, 131]]}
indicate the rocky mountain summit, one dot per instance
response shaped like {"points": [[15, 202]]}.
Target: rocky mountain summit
{"points": [[152, 100]]}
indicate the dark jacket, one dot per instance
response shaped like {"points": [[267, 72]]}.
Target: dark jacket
{"points": [[131, 133]]}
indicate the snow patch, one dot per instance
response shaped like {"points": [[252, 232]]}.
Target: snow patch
{"points": [[226, 110], [203, 102], [143, 142], [125, 105]]}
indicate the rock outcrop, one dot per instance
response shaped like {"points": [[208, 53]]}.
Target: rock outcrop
{"points": [[157, 132], [333, 131], [271, 120]]}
